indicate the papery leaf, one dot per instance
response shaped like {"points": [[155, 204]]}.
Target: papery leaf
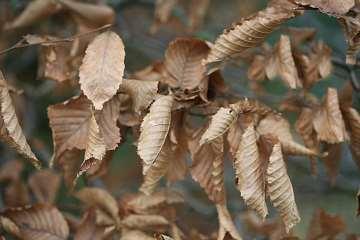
{"points": [[197, 14], [34, 12], [183, 62], [16, 194], [97, 197], [280, 190], [143, 93], [208, 167], [45, 184], [287, 67], [11, 130], [328, 121], [154, 129], [39, 222], [102, 69], [226, 224], [10, 227], [97, 15], [279, 127], [329, 6], [88, 230], [11, 170], [353, 119], [250, 172], [248, 33], [144, 222], [332, 160], [135, 234], [351, 26]]}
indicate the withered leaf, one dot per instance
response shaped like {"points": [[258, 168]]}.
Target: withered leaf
{"points": [[45, 184], [351, 26], [154, 129], [39, 222], [183, 62], [250, 172], [332, 160], [34, 12], [10, 227], [280, 190], [144, 221], [208, 167], [226, 224], [197, 14], [329, 6], [163, 10], [97, 197], [102, 69], [135, 234], [248, 33], [88, 230], [11, 130], [11, 170], [328, 121], [143, 93], [353, 120], [97, 15], [16, 194]]}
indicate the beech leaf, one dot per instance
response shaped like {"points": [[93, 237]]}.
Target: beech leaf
{"points": [[329, 6], [226, 224]]}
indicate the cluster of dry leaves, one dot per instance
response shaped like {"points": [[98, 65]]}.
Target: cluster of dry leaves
{"points": [[160, 105]]}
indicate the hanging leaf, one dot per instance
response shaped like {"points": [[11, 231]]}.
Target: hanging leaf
{"points": [[332, 160], [280, 190], [248, 33], [329, 6], [154, 129], [163, 10], [144, 221], [208, 167], [328, 121], [88, 230], [143, 93], [135, 234], [11, 130], [102, 69], [183, 62], [45, 184], [39, 222], [250, 173], [226, 224], [351, 26], [353, 118]]}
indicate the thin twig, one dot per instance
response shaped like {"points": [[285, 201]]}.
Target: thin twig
{"points": [[22, 43]]}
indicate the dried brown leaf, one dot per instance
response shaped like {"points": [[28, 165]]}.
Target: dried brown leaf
{"points": [[351, 26], [102, 69], [280, 190], [39, 222], [328, 121], [226, 224], [45, 185], [11, 170], [332, 160], [16, 194], [144, 222], [88, 230], [135, 234], [11, 130], [250, 172], [154, 129], [353, 119], [329, 6], [197, 14]]}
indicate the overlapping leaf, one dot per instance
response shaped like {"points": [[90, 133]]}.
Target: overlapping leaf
{"points": [[226, 224], [329, 6], [353, 118]]}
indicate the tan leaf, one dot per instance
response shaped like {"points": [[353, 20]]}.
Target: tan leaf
{"points": [[102, 69], [226, 224], [162, 14], [97, 197], [328, 121], [143, 93], [234, 137], [197, 14], [329, 6], [279, 127], [16, 194], [220, 123], [183, 62], [70, 162], [88, 230], [11, 170], [351, 26], [248, 33], [34, 12], [135, 234], [11, 130], [287, 71], [45, 185], [280, 190], [154, 129], [97, 15], [332, 160], [144, 222], [208, 167], [39, 222], [250, 173], [353, 119]]}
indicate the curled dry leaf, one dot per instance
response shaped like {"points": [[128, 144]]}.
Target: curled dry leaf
{"points": [[39, 222], [250, 172], [220, 123], [328, 121], [248, 33], [226, 224], [280, 190], [142, 93], [97, 197], [10, 227], [135, 234], [208, 167], [144, 221], [351, 26], [45, 184], [16, 194], [97, 15], [154, 129], [353, 120], [329, 6], [183, 63], [102, 69], [11, 130], [332, 160], [34, 12], [279, 127], [88, 230]]}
